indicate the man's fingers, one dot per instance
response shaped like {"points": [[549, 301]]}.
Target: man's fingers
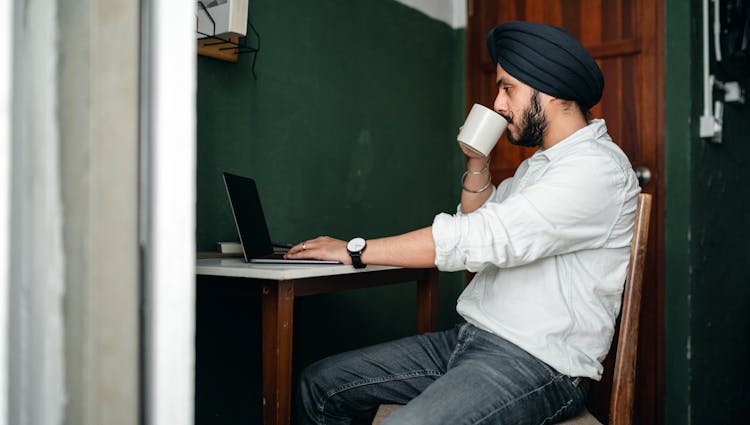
{"points": [[297, 249], [306, 249]]}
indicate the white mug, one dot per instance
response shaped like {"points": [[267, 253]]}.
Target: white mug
{"points": [[482, 129]]}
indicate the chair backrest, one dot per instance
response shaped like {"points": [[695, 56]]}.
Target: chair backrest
{"points": [[623, 379]]}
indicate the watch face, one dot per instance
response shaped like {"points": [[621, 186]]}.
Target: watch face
{"points": [[356, 245]]}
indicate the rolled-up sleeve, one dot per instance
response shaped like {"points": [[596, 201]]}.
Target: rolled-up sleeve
{"points": [[572, 206]]}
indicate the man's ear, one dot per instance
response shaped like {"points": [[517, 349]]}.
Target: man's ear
{"points": [[551, 104], [568, 107], [563, 104], [545, 98]]}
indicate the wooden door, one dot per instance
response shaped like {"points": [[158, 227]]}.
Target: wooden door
{"points": [[625, 37]]}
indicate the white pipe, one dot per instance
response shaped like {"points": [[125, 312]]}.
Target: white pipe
{"points": [[717, 31], [707, 80]]}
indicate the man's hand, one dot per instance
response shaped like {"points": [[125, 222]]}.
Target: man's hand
{"points": [[320, 248], [471, 154], [414, 249]]}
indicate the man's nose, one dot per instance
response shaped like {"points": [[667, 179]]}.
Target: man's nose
{"points": [[501, 106]]}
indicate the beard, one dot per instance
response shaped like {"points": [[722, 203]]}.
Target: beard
{"points": [[534, 124]]}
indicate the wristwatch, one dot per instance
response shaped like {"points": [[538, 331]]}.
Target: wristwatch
{"points": [[355, 248]]}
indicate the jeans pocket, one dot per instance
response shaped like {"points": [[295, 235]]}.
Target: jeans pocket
{"points": [[553, 373]]}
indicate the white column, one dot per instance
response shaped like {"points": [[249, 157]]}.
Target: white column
{"points": [[169, 99], [37, 259], [6, 55]]}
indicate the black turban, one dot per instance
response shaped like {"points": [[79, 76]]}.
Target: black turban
{"points": [[548, 59]]}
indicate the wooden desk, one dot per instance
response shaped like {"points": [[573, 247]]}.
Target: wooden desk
{"points": [[280, 284]]}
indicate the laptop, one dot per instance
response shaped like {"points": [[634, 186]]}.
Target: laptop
{"points": [[251, 223]]}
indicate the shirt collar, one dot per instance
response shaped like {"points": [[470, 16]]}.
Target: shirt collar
{"points": [[595, 129]]}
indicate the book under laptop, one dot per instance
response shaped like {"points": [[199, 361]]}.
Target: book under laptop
{"points": [[251, 223]]}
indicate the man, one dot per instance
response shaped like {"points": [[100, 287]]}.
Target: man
{"points": [[550, 247]]}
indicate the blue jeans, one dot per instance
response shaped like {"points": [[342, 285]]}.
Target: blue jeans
{"points": [[461, 376]]}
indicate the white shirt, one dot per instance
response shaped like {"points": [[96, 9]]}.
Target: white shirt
{"points": [[551, 247]]}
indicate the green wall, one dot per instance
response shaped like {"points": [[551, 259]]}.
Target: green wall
{"points": [[349, 130], [707, 291]]}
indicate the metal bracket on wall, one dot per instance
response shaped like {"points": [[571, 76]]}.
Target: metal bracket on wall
{"points": [[226, 48]]}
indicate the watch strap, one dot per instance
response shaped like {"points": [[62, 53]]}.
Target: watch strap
{"points": [[357, 260]]}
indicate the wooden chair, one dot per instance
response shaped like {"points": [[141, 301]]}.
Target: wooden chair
{"points": [[623, 373]]}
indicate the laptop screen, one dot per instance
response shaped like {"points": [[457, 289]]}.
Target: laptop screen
{"points": [[248, 216]]}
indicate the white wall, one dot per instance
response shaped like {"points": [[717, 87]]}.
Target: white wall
{"points": [[98, 113], [452, 12]]}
